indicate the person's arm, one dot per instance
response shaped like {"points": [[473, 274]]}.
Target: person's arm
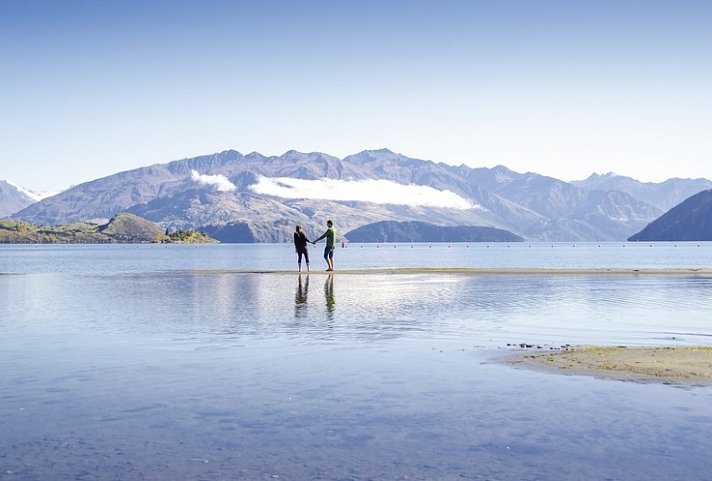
{"points": [[319, 238]]}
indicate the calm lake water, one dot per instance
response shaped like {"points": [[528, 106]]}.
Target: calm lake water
{"points": [[164, 363]]}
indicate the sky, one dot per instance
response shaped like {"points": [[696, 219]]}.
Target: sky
{"points": [[561, 88]]}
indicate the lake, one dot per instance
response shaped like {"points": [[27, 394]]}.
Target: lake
{"points": [[210, 362]]}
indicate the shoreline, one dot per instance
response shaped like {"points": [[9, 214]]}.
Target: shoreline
{"points": [[689, 365]]}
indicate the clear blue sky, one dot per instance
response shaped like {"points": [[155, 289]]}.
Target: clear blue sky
{"points": [[563, 88]]}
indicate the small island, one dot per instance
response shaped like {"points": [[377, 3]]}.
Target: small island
{"points": [[123, 228]]}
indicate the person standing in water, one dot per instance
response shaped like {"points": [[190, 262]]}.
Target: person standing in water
{"points": [[300, 246], [330, 235]]}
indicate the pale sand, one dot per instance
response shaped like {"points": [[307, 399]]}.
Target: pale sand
{"points": [[473, 271], [673, 365]]}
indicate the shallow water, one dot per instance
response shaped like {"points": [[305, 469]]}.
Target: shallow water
{"points": [[121, 362], [121, 258]]}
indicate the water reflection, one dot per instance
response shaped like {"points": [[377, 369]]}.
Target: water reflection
{"points": [[300, 297], [329, 295], [490, 310], [208, 375]]}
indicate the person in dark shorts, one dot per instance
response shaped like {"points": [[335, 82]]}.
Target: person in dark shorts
{"points": [[300, 246], [330, 235]]}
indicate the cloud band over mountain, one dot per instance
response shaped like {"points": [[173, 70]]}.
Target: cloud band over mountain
{"points": [[219, 181], [373, 190]]}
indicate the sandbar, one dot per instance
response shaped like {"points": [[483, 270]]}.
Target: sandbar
{"points": [[476, 271], [670, 365]]}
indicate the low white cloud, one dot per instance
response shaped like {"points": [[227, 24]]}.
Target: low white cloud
{"points": [[376, 190], [220, 181]]}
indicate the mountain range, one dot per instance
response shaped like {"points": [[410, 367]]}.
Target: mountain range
{"points": [[664, 195], [255, 198]]}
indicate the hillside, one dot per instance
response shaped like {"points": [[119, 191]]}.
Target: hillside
{"points": [[18, 232], [689, 221], [123, 228], [388, 231], [12, 199]]}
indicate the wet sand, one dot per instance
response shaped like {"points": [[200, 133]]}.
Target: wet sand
{"points": [[474, 271], [670, 365]]}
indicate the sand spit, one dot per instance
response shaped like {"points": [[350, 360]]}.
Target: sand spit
{"points": [[670, 365], [475, 271]]}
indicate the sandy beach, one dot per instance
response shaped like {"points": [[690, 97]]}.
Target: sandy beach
{"points": [[671, 365]]}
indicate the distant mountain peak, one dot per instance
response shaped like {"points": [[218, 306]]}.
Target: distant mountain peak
{"points": [[607, 176], [372, 155], [503, 174], [229, 154], [33, 194], [382, 151]]}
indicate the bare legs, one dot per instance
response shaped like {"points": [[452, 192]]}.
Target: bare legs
{"points": [[329, 258]]}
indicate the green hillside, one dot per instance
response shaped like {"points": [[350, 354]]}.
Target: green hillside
{"points": [[122, 228]]}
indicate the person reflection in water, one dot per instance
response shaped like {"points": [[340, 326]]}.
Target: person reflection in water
{"points": [[300, 298], [300, 246], [329, 295]]}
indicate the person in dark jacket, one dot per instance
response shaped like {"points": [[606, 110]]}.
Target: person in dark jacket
{"points": [[300, 246]]}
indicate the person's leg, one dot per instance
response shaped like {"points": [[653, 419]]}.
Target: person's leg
{"points": [[306, 258], [299, 260], [326, 257], [329, 257]]}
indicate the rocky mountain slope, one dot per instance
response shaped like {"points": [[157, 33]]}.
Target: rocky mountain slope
{"points": [[689, 221], [12, 199], [664, 195], [257, 198]]}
